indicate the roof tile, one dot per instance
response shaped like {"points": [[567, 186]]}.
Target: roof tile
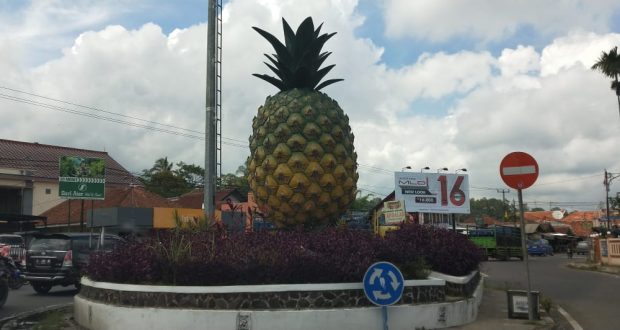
{"points": [[43, 161]]}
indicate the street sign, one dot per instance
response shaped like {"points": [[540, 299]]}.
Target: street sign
{"points": [[383, 284], [433, 192], [519, 170], [81, 178]]}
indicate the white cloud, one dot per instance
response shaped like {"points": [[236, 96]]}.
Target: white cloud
{"points": [[581, 49], [519, 61], [442, 20]]}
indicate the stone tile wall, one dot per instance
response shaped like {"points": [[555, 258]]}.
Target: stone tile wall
{"points": [[256, 301], [463, 290]]}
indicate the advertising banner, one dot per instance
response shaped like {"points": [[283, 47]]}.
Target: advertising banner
{"points": [[81, 178], [433, 192], [394, 212]]}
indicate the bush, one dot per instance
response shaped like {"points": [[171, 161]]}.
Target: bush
{"points": [[443, 250], [330, 255]]}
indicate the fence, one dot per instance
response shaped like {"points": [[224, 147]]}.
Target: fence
{"points": [[610, 251]]}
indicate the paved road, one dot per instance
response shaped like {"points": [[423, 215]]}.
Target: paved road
{"points": [[25, 299], [591, 298]]}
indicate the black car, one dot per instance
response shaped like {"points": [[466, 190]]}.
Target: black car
{"points": [[57, 259]]}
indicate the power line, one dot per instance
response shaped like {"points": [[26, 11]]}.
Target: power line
{"points": [[110, 112], [100, 110], [114, 120], [568, 180], [111, 119]]}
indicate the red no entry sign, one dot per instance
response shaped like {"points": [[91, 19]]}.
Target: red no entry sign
{"points": [[519, 170]]}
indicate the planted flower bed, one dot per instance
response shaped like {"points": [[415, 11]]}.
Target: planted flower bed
{"points": [[279, 280], [333, 255]]}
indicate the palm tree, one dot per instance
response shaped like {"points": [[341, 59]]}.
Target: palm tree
{"points": [[161, 165], [609, 65]]}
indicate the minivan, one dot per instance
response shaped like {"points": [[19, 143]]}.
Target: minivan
{"points": [[58, 259]]}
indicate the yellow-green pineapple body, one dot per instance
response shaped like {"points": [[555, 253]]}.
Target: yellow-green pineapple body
{"points": [[302, 167]]}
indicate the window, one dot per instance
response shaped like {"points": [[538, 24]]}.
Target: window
{"points": [[48, 191], [55, 244]]}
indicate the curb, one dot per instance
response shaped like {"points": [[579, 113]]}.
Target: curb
{"points": [[597, 268], [10, 320]]}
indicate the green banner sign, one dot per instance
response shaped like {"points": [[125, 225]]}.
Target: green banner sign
{"points": [[81, 178]]}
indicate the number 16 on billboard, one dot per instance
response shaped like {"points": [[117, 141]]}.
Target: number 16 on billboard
{"points": [[433, 192]]}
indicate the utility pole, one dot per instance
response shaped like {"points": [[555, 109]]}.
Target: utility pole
{"points": [[504, 192], [606, 183], [210, 154]]}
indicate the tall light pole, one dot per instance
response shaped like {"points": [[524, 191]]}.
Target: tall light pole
{"points": [[424, 168], [405, 168], [209, 187], [444, 169]]}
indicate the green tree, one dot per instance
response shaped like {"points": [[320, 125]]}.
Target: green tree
{"points": [[609, 65], [166, 184], [161, 165], [166, 181], [365, 203], [491, 207], [192, 174], [240, 182]]}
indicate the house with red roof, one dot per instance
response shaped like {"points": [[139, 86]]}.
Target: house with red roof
{"points": [[74, 213], [582, 222], [195, 198], [29, 177]]}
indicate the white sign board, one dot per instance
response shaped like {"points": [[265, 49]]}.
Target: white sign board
{"points": [[394, 212], [433, 192]]}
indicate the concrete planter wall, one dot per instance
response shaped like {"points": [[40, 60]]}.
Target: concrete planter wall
{"points": [[101, 305]]}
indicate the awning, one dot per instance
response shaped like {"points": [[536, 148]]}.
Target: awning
{"points": [[20, 218]]}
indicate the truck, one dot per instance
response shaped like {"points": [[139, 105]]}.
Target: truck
{"points": [[499, 242]]}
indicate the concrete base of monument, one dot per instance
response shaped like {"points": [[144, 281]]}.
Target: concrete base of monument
{"points": [[102, 305]]}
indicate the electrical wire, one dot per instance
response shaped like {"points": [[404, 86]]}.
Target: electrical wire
{"points": [[119, 121]]}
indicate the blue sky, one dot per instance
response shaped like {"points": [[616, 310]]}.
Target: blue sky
{"points": [[427, 83]]}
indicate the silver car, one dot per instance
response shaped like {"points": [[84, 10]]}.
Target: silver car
{"points": [[582, 248]]}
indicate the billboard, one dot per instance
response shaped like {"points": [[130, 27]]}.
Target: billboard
{"points": [[433, 192], [81, 178]]}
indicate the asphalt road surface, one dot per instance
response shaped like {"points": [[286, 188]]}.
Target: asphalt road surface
{"points": [[591, 298], [25, 299]]}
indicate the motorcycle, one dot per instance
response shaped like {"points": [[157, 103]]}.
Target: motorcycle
{"points": [[15, 278], [4, 284]]}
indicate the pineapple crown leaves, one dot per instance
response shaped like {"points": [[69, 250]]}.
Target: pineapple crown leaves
{"points": [[297, 63]]}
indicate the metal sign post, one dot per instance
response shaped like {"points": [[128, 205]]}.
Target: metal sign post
{"points": [[519, 170], [530, 304]]}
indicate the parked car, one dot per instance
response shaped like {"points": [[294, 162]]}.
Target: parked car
{"points": [[540, 247], [57, 259], [582, 248]]}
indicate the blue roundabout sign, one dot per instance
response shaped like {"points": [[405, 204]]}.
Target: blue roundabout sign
{"points": [[383, 284]]}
